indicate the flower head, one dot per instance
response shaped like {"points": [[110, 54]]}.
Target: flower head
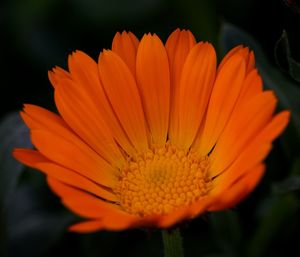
{"points": [[153, 134]]}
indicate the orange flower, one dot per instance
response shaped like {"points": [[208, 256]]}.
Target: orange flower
{"points": [[153, 134]]}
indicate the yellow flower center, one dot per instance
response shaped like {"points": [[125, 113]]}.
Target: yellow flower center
{"points": [[161, 180]]}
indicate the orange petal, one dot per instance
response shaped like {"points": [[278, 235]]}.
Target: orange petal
{"points": [[225, 92], [86, 206], [36, 160], [253, 85], [242, 51], [250, 62], [123, 95], [81, 203], [83, 70], [243, 126], [84, 73], [78, 110], [29, 157], [153, 77], [168, 220], [86, 87], [195, 87], [254, 153], [59, 72], [178, 45], [125, 45], [200, 206], [275, 127], [237, 192], [184, 213], [115, 224], [250, 157], [111, 217], [76, 180], [89, 226], [36, 117], [111, 223], [231, 53], [74, 155]]}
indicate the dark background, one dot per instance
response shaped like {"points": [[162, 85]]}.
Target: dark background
{"points": [[38, 35]]}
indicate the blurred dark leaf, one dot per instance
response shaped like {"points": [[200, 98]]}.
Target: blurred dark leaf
{"points": [[287, 91], [284, 57], [33, 227], [276, 213], [13, 133], [288, 185], [275, 218], [226, 230], [25, 229]]}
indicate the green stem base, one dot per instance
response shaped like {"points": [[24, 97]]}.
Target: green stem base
{"points": [[172, 243]]}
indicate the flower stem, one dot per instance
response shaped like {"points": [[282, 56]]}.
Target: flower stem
{"points": [[172, 243]]}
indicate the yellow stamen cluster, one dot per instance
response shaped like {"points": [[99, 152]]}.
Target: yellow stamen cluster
{"points": [[161, 180]]}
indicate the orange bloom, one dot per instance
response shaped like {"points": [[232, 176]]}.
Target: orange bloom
{"points": [[153, 134]]}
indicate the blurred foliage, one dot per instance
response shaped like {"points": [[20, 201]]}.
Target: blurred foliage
{"points": [[13, 133], [284, 57], [286, 90], [39, 34], [278, 211]]}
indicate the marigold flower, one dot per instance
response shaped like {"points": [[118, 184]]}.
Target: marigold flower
{"points": [[153, 134]]}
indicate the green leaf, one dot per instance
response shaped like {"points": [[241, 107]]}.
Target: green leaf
{"points": [[13, 133], [29, 225], [286, 90], [172, 240], [33, 224], [284, 57]]}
